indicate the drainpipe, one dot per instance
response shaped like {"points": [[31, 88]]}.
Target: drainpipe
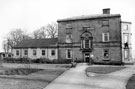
{"points": [[121, 49]]}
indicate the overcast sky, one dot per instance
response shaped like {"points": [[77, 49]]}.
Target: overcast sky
{"points": [[32, 14]]}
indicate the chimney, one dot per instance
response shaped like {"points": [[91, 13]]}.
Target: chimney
{"points": [[106, 11]]}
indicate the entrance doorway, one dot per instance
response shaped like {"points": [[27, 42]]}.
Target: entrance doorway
{"points": [[87, 57]]}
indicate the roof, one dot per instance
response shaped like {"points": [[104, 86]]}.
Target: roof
{"points": [[85, 17], [126, 22], [5, 53], [37, 43]]}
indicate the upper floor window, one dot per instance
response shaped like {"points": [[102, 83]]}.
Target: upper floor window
{"points": [[105, 23], [17, 52], [68, 25], [126, 40], [69, 38], [34, 52], [106, 53], [87, 43], [125, 27], [105, 37], [68, 30], [86, 28], [125, 53], [43, 52], [25, 52], [68, 54], [53, 52], [86, 40]]}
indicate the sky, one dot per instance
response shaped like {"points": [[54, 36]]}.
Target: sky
{"points": [[30, 15]]}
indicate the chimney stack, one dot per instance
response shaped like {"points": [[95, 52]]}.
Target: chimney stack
{"points": [[106, 11]]}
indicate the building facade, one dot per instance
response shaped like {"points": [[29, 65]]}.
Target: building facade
{"points": [[36, 48], [96, 38], [102, 38], [126, 42]]}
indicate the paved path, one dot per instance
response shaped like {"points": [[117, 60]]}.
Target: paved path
{"points": [[75, 78]]}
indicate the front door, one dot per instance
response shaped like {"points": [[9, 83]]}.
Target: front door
{"points": [[87, 57]]}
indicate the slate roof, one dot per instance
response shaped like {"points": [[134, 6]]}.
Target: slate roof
{"points": [[37, 43], [86, 17]]}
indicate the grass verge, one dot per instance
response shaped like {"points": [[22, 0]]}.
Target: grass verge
{"points": [[131, 83]]}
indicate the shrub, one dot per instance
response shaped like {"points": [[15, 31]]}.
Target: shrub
{"points": [[41, 60], [67, 61], [55, 61], [17, 60]]}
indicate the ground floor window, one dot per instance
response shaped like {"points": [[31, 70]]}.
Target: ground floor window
{"points": [[17, 52], [68, 54], [25, 52], [43, 52], [34, 52], [53, 52], [106, 53]]}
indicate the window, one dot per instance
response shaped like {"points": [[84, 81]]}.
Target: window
{"points": [[126, 54], [53, 52], [34, 52], [17, 52], [68, 25], [86, 28], [105, 23], [9, 55], [87, 43], [126, 40], [126, 37], [68, 54], [4, 55], [68, 30], [25, 52], [69, 38], [125, 27], [106, 53], [105, 37], [43, 52]]}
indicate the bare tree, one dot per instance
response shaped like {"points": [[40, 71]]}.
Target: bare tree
{"points": [[52, 30], [40, 33], [13, 38]]}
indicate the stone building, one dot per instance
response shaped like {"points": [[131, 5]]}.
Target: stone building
{"points": [[36, 48], [101, 38]]}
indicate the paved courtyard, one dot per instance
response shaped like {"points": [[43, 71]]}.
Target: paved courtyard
{"points": [[76, 78]]}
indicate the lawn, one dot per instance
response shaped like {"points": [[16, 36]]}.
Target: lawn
{"points": [[104, 70], [28, 78], [131, 83]]}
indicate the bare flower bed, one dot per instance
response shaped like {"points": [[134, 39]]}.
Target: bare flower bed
{"points": [[31, 78], [103, 70], [20, 71]]}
